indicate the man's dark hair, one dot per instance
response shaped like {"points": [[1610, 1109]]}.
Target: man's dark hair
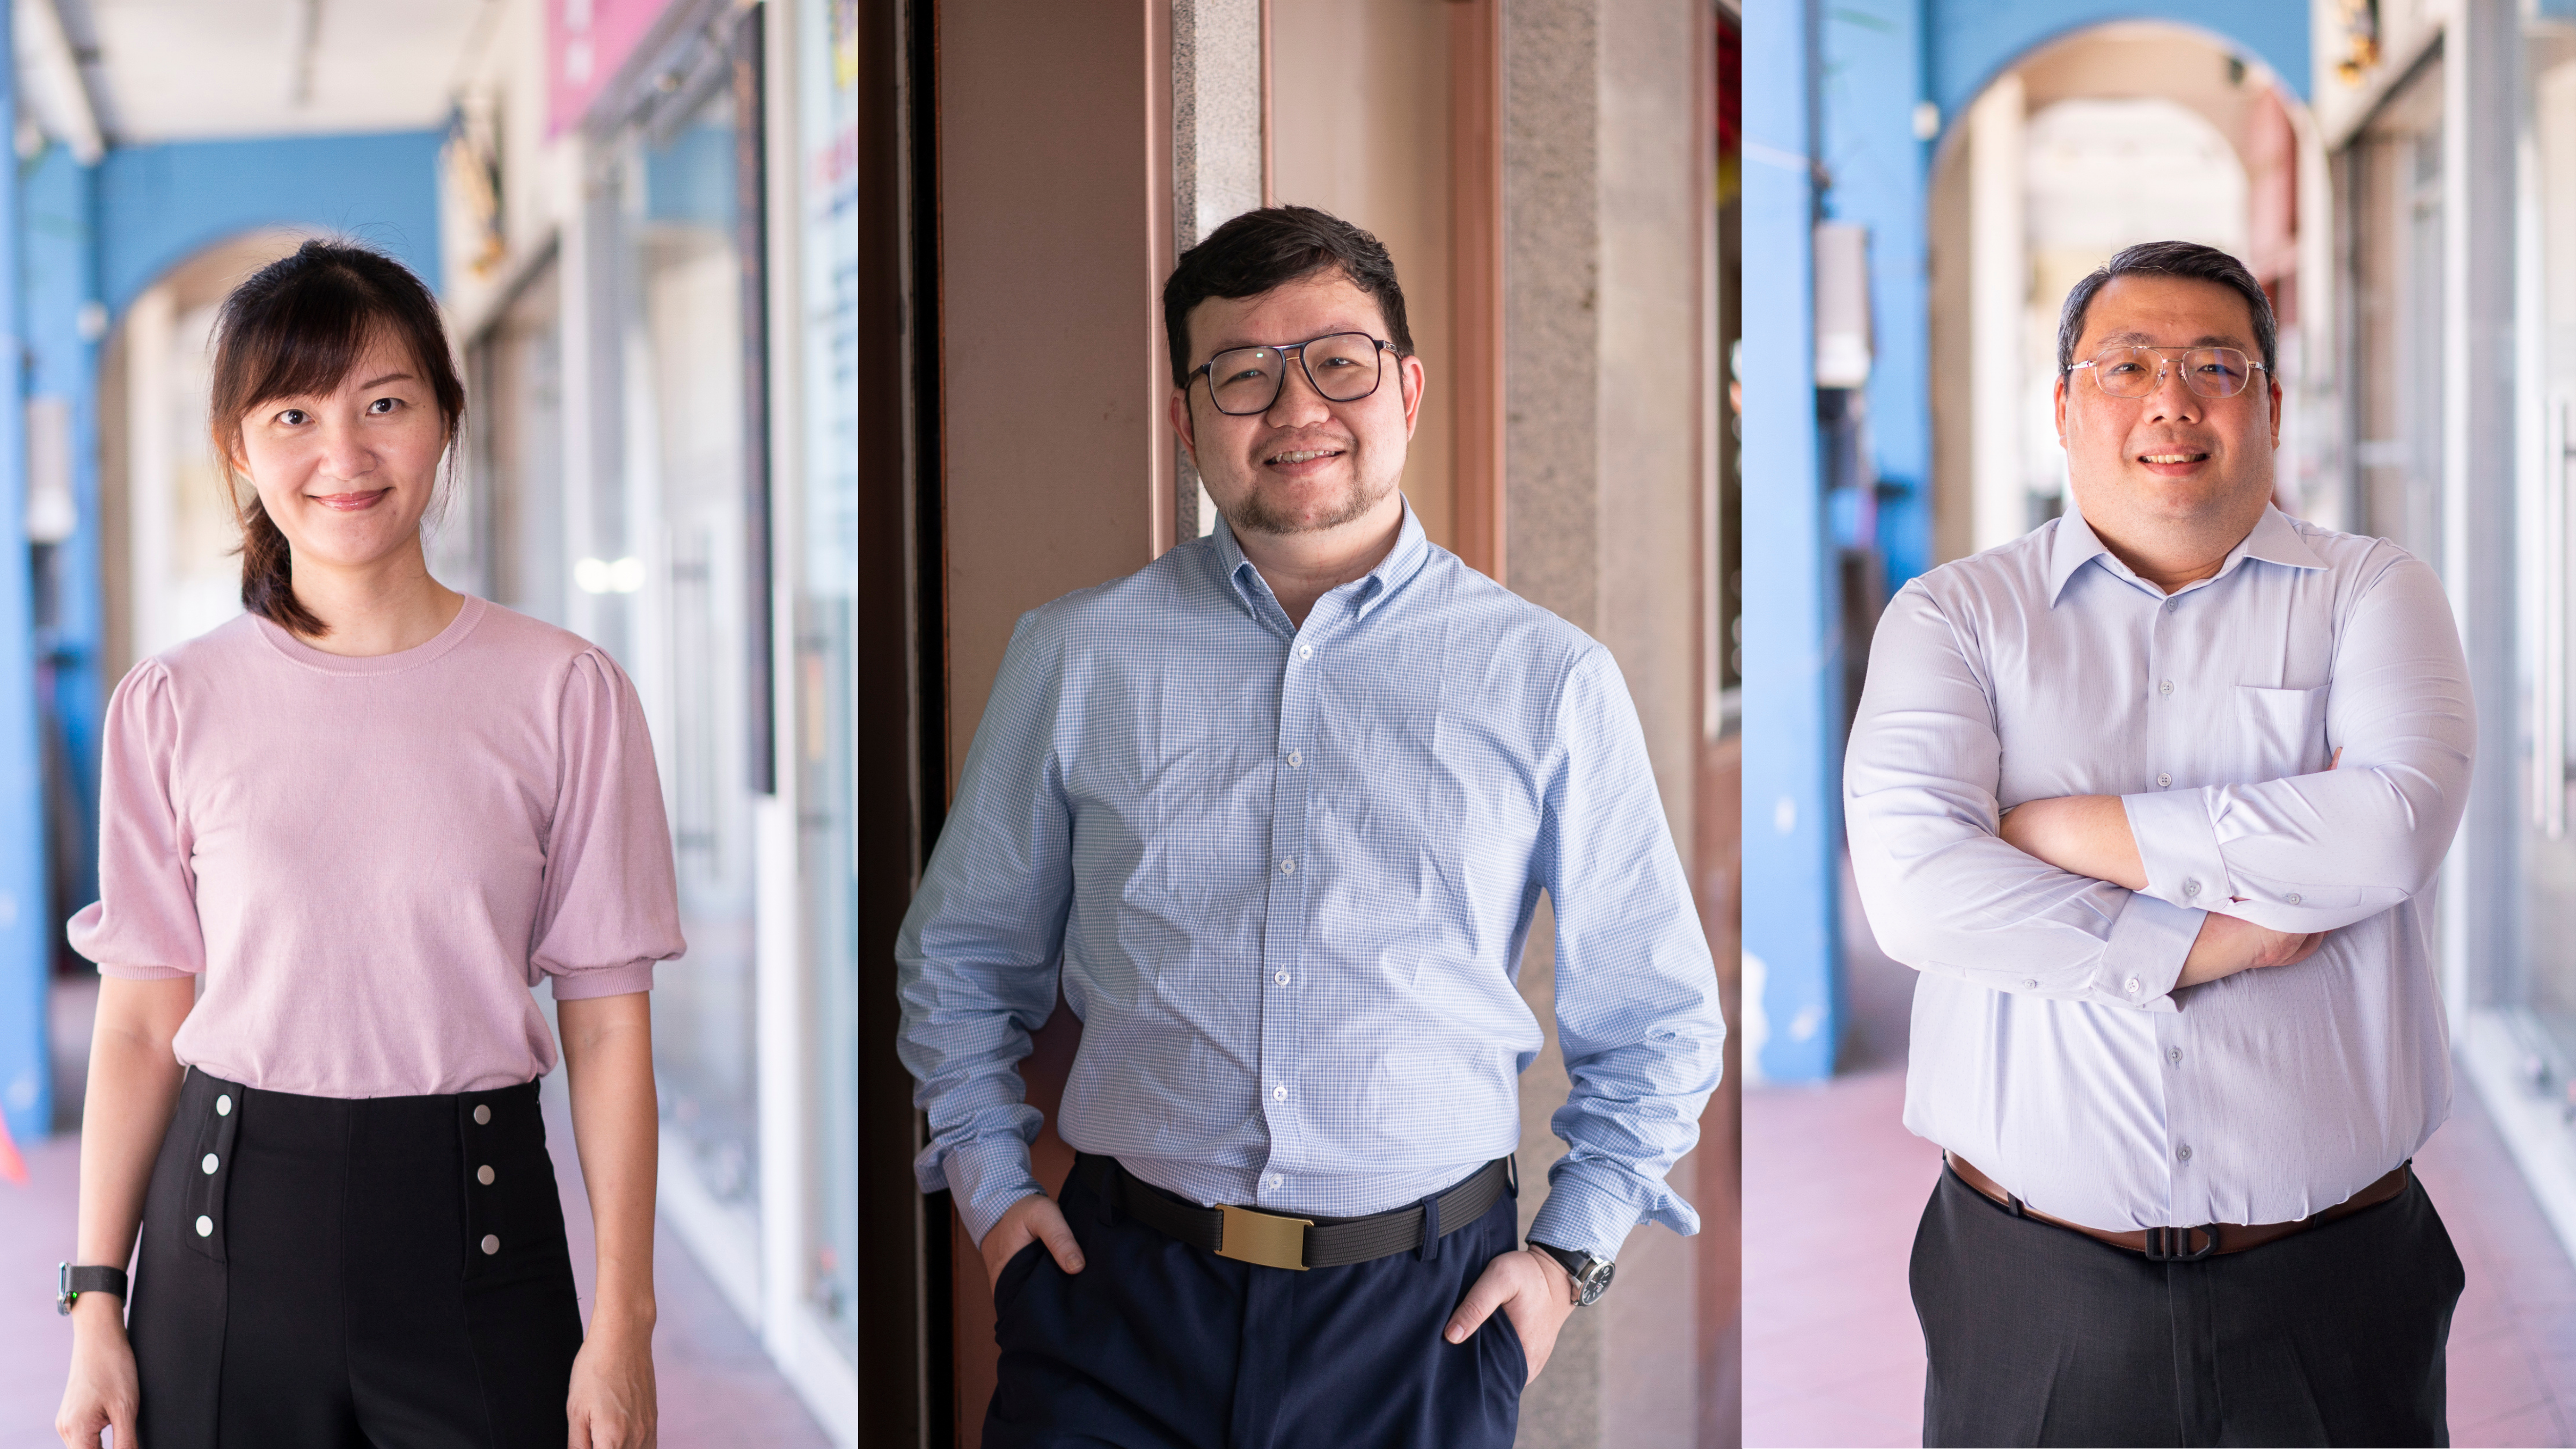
{"points": [[2170, 259], [1269, 248]]}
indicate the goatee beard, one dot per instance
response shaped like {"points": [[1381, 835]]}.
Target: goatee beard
{"points": [[1255, 514]]}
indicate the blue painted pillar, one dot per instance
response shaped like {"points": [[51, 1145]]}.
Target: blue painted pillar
{"points": [[1792, 655], [26, 925], [58, 282], [1874, 76]]}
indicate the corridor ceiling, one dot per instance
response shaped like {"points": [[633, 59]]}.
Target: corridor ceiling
{"points": [[172, 70]]}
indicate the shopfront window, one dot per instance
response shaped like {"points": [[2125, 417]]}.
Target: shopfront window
{"points": [[503, 529], [2548, 320], [2394, 191], [826, 625], [674, 309]]}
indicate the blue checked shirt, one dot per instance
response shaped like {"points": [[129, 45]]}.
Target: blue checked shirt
{"points": [[1288, 873]]}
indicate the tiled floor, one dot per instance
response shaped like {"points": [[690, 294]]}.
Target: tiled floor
{"points": [[1834, 1184], [718, 1390]]}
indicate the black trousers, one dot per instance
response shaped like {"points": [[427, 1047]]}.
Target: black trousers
{"points": [[2040, 1335], [320, 1273], [1159, 1345]]}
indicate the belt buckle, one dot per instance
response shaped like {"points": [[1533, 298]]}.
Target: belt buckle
{"points": [[1264, 1238], [2173, 1245]]}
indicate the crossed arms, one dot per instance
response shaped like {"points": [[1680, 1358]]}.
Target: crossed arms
{"points": [[2089, 835]]}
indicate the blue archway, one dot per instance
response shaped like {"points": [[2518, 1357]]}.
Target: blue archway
{"points": [[1967, 43], [1868, 75]]}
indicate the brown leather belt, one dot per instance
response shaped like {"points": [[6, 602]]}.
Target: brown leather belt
{"points": [[2175, 1245]]}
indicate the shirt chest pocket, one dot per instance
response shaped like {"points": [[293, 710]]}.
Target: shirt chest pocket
{"points": [[2282, 732]]}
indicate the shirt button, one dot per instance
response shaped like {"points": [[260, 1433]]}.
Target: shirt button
{"points": [[224, 1105], [2163, 780], [2183, 1153], [483, 1174], [1276, 1179], [491, 1245], [2031, 985], [209, 1164], [1305, 651], [2171, 606], [1281, 978], [2133, 986], [2165, 688], [2292, 898], [482, 1116], [1287, 867], [2174, 1055], [2191, 888], [205, 1227], [1294, 759], [1279, 1094]]}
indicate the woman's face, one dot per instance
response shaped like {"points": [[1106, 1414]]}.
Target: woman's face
{"points": [[347, 474]]}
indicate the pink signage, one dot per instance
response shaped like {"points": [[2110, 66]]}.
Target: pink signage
{"points": [[586, 41]]}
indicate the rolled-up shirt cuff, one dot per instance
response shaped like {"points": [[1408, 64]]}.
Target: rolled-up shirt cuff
{"points": [[2178, 844], [142, 973], [623, 980], [1587, 1210], [985, 1176], [2145, 954]]}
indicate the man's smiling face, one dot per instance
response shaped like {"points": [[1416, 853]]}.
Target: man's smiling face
{"points": [[2172, 459], [1307, 464]]}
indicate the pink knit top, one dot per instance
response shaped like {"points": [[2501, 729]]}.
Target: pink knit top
{"points": [[369, 862]]}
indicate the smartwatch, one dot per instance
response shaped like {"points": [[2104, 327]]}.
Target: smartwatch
{"points": [[70, 1283], [1591, 1274]]}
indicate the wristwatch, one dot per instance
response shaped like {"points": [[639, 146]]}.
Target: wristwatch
{"points": [[70, 1283], [1591, 1274]]}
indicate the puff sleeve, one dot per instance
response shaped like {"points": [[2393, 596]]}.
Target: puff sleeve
{"points": [[143, 926], [610, 906]]}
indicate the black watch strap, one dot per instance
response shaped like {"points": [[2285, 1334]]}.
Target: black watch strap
{"points": [[1591, 1275], [70, 1283]]}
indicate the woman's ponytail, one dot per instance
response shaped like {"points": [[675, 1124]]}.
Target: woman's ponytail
{"points": [[268, 574]]}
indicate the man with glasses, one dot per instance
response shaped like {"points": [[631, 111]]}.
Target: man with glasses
{"points": [[2153, 798], [1281, 805]]}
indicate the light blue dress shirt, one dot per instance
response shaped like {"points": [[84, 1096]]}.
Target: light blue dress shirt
{"points": [[2050, 1046], [1288, 873]]}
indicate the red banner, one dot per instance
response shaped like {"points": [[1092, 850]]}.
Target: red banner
{"points": [[586, 41]]}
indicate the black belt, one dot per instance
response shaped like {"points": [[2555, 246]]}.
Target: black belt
{"points": [[1277, 1241]]}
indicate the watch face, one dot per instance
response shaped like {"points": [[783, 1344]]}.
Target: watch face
{"points": [[1597, 1281]]}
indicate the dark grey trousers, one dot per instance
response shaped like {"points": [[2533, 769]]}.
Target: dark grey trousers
{"points": [[2040, 1335]]}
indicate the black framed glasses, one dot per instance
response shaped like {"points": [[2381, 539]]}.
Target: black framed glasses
{"points": [[2133, 370], [1343, 367]]}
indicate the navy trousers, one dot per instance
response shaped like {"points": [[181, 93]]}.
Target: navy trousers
{"points": [[1159, 1345], [2040, 1335]]}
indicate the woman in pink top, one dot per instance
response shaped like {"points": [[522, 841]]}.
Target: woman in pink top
{"points": [[342, 837]]}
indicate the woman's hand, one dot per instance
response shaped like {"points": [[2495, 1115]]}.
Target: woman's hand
{"points": [[102, 1392], [612, 1404]]}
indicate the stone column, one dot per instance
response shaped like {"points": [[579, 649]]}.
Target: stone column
{"points": [[1217, 115], [1602, 346]]}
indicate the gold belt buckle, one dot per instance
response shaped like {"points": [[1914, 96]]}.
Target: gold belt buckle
{"points": [[1264, 1238]]}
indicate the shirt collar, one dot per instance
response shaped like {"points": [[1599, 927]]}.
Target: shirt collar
{"points": [[2273, 539], [1412, 550]]}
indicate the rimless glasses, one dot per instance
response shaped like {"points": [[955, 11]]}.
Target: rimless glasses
{"points": [[2132, 370]]}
